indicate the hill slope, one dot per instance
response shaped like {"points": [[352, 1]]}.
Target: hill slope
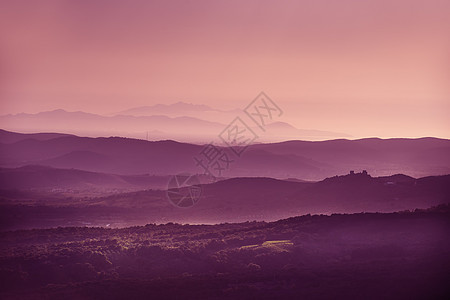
{"points": [[360, 256], [300, 159], [232, 200]]}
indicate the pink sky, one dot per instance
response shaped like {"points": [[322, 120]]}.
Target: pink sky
{"points": [[367, 68]]}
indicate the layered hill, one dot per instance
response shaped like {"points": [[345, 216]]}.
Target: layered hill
{"points": [[231, 200], [298, 159]]}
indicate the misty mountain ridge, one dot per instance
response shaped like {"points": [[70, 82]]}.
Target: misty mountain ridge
{"points": [[169, 109], [298, 159], [184, 126]]}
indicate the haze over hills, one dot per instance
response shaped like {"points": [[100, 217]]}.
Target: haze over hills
{"points": [[42, 178], [8, 137], [285, 131], [176, 109], [119, 125], [180, 109], [230, 200], [180, 121], [224, 150], [299, 159], [69, 180]]}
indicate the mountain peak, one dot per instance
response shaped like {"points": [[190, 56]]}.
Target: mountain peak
{"points": [[174, 108], [59, 110], [281, 125]]}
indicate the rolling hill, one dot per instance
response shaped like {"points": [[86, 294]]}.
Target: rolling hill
{"points": [[298, 159], [229, 200], [42, 178]]}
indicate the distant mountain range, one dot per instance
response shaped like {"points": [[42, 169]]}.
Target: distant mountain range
{"points": [[179, 108], [180, 121], [156, 126], [297, 159]]}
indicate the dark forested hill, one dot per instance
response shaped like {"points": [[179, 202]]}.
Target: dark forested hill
{"points": [[360, 256]]}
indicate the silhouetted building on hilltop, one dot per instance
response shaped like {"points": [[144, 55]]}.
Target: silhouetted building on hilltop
{"points": [[364, 172]]}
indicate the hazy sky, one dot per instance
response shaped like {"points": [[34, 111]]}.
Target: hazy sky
{"points": [[368, 68]]}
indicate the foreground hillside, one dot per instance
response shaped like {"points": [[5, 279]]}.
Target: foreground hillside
{"points": [[361, 256]]}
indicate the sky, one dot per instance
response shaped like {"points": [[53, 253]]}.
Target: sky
{"points": [[366, 68]]}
